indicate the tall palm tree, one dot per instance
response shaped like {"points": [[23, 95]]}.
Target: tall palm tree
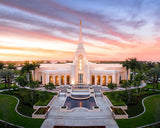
{"points": [[11, 66], [1, 65], [134, 64], [3, 74], [154, 72], [10, 76], [27, 69], [7, 75], [126, 65], [34, 66]]}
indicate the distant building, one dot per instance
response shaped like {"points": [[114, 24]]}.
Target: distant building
{"points": [[80, 71]]}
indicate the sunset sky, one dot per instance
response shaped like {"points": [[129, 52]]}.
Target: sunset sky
{"points": [[49, 29]]}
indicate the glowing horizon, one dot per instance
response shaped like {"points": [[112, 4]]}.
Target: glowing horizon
{"points": [[49, 30]]}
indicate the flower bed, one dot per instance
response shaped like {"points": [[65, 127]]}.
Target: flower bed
{"points": [[42, 110], [41, 113], [118, 111]]}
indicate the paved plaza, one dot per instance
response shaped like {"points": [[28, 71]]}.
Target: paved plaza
{"points": [[79, 117]]}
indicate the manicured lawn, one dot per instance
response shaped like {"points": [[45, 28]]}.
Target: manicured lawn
{"points": [[28, 98], [151, 115], [44, 103], [134, 105], [2, 86], [116, 100], [8, 113], [150, 86]]}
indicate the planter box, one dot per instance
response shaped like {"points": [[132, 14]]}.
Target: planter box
{"points": [[40, 116], [119, 116]]}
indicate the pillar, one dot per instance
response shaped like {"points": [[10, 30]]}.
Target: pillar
{"points": [[43, 81], [53, 79], [95, 79], [101, 80], [106, 79], [65, 79], [47, 78], [59, 79], [117, 78], [114, 78]]}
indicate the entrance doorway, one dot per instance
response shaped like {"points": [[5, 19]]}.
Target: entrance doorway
{"points": [[80, 78]]}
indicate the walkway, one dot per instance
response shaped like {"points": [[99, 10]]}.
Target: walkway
{"points": [[79, 117]]}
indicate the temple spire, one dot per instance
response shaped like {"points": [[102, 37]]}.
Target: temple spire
{"points": [[80, 45], [80, 33]]}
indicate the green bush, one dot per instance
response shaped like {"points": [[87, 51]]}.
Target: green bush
{"points": [[112, 85], [50, 86], [22, 81]]}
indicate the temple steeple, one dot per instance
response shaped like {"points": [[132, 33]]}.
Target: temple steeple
{"points": [[80, 45]]}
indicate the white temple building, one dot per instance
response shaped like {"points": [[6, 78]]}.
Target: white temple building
{"points": [[80, 71]]}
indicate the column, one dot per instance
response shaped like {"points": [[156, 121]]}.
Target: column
{"points": [[106, 79], [47, 78], [43, 78], [114, 78], [59, 79], [95, 79], [101, 80], [65, 79], [118, 79], [53, 79]]}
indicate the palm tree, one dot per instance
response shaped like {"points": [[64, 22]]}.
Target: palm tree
{"points": [[11, 66], [154, 72], [35, 65], [8, 75], [134, 64], [27, 69], [3, 74], [1, 65], [126, 65]]}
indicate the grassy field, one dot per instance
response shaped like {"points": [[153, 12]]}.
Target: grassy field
{"points": [[2, 86], [115, 98], [151, 115], [28, 98], [150, 86], [8, 113]]}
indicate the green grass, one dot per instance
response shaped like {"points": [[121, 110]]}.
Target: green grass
{"points": [[150, 86], [8, 113], [45, 102], [116, 101], [151, 115], [26, 103], [2, 86]]}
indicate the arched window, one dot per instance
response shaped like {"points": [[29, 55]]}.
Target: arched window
{"points": [[80, 62], [93, 80], [98, 80], [62, 80], [56, 80], [104, 80], [110, 79], [50, 79], [68, 79]]}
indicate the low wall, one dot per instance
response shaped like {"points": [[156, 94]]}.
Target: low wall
{"points": [[41, 116]]}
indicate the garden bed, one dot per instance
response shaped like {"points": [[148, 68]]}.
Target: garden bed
{"points": [[119, 113], [28, 98], [134, 105], [42, 110], [41, 113]]}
